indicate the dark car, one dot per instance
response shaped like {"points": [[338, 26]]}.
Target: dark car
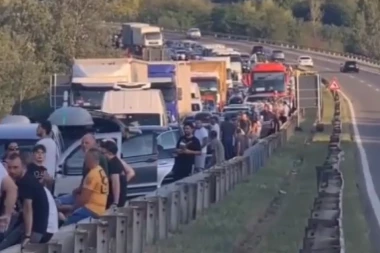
{"points": [[257, 49], [349, 66]]}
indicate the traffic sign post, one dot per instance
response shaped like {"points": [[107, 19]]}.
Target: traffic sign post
{"points": [[334, 86]]}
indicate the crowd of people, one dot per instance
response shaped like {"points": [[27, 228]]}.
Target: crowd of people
{"points": [[29, 212], [223, 140]]}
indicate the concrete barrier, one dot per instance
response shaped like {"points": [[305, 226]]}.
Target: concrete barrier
{"points": [[324, 232]]}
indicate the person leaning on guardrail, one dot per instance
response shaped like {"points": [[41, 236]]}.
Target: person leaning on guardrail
{"points": [[227, 134], [201, 134], [117, 178], [188, 146], [217, 149], [241, 142]]}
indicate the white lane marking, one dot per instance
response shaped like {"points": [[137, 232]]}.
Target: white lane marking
{"points": [[377, 90], [370, 186], [361, 81], [351, 76], [369, 85]]}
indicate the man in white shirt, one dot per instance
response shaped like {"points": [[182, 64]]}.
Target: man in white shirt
{"points": [[215, 126], [201, 134], [44, 132]]}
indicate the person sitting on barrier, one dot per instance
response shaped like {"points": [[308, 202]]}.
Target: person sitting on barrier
{"points": [[188, 146], [217, 149], [202, 135], [35, 209], [65, 203], [227, 134], [117, 179], [94, 193]]}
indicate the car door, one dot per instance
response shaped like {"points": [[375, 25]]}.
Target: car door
{"points": [[140, 152], [166, 143], [70, 166]]}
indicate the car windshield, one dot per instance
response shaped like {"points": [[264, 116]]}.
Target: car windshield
{"points": [[268, 82], [351, 63], [254, 99], [89, 98], [206, 84], [168, 91], [140, 119]]}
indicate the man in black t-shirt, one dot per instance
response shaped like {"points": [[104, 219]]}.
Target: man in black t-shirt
{"points": [[37, 169], [188, 146], [227, 133], [34, 201], [117, 179]]}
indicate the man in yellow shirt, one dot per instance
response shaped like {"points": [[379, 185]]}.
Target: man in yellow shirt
{"points": [[93, 197]]}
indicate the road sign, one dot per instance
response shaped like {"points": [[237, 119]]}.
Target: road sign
{"points": [[334, 85]]}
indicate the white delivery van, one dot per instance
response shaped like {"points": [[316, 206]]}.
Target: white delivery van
{"points": [[136, 107]]}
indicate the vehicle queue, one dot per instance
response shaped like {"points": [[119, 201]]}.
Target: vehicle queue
{"points": [[95, 151]]}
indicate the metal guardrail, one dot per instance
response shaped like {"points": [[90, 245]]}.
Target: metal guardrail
{"points": [[145, 220], [360, 58], [324, 232]]}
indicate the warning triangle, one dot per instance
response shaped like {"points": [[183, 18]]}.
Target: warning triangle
{"points": [[334, 85]]}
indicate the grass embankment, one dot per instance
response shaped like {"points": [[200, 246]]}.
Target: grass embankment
{"points": [[268, 214]]}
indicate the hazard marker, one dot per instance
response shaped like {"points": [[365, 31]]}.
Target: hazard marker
{"points": [[334, 85]]}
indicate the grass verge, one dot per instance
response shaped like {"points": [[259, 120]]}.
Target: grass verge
{"points": [[268, 214]]}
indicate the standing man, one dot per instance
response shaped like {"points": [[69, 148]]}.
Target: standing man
{"points": [[117, 178], [217, 149], [215, 126], [188, 146], [227, 132], [37, 169], [44, 132], [34, 201], [202, 135]]}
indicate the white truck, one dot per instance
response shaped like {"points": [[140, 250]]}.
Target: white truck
{"points": [[235, 61], [139, 38]]}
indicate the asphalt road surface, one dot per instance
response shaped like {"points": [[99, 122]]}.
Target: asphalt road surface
{"points": [[363, 90]]}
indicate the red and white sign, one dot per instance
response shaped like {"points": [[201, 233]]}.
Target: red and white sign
{"points": [[334, 85]]}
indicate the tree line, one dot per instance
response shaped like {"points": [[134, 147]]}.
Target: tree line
{"points": [[38, 38]]}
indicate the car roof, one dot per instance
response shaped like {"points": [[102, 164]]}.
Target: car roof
{"points": [[21, 131]]}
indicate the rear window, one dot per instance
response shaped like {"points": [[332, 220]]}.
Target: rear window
{"points": [[204, 117], [195, 107], [351, 63], [256, 99], [194, 30], [305, 58]]}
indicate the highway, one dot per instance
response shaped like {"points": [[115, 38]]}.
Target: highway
{"points": [[363, 91]]}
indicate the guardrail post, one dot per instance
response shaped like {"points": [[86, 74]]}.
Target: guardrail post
{"points": [[149, 207], [184, 202], [162, 206], [121, 233], [81, 237], [222, 182], [102, 236], [174, 211], [206, 193], [192, 195], [227, 176], [199, 199], [54, 247], [217, 187]]}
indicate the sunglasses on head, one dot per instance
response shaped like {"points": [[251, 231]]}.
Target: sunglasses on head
{"points": [[13, 149]]}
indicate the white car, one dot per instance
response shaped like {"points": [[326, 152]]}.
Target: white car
{"points": [[193, 33], [305, 61]]}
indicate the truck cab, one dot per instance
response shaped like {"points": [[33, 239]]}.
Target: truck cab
{"points": [[268, 78]]}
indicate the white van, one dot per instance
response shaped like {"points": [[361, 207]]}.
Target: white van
{"points": [[136, 107]]}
